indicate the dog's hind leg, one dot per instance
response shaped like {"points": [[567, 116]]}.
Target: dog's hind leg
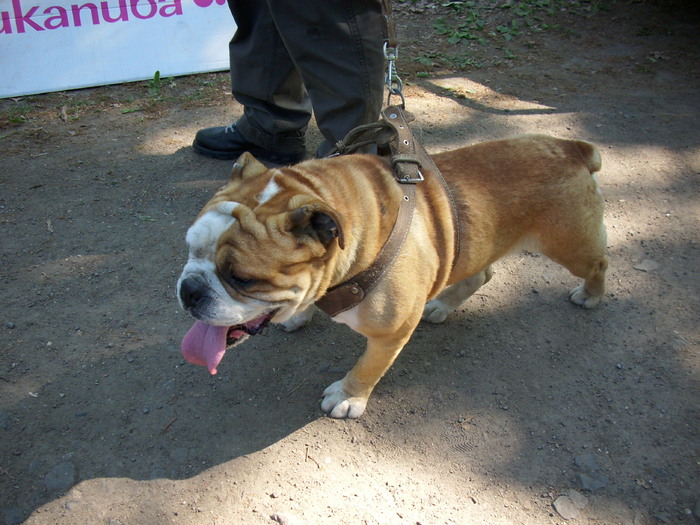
{"points": [[585, 259], [437, 310], [590, 292]]}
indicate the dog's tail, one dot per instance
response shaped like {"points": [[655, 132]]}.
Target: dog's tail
{"points": [[590, 155]]}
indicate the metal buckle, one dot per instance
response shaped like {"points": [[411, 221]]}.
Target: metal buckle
{"points": [[401, 175], [412, 180]]}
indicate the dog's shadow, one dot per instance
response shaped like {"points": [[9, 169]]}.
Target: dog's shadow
{"points": [[187, 421]]}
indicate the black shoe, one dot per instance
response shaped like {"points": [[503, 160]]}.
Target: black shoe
{"points": [[227, 143]]}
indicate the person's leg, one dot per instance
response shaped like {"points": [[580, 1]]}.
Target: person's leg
{"points": [[334, 48], [337, 47], [265, 81], [264, 78]]}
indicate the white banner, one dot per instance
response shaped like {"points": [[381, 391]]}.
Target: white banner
{"points": [[52, 45]]}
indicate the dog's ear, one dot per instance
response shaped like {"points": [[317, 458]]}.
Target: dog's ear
{"points": [[316, 220], [247, 166]]}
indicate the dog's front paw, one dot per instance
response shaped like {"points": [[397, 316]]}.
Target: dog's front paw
{"points": [[581, 297], [436, 311], [338, 403]]}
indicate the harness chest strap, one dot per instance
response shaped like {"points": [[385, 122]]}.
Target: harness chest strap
{"points": [[411, 157], [351, 292], [407, 160]]}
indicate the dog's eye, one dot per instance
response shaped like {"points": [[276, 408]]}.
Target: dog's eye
{"points": [[239, 282]]}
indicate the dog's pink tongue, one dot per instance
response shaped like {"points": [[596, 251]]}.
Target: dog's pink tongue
{"points": [[205, 345]]}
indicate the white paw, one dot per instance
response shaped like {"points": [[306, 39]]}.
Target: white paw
{"points": [[436, 311], [581, 297], [337, 402], [297, 321]]}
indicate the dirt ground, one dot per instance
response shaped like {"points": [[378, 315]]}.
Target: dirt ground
{"points": [[520, 409]]}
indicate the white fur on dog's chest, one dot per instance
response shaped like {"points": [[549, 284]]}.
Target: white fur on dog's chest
{"points": [[349, 317]]}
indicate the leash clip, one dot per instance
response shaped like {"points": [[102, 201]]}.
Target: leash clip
{"points": [[393, 80]]}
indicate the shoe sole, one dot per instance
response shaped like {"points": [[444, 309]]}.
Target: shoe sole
{"points": [[261, 155]]}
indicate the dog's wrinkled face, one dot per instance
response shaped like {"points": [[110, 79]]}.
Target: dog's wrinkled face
{"points": [[201, 291], [241, 267], [257, 253]]}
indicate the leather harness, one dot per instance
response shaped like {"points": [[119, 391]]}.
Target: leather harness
{"points": [[410, 164]]}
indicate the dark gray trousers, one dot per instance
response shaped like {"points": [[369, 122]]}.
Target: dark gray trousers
{"points": [[292, 58]]}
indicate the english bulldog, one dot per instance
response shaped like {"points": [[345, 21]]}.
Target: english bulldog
{"points": [[272, 242]]}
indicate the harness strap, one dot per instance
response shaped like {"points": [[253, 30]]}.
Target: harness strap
{"points": [[389, 24], [412, 164], [353, 291], [408, 158]]}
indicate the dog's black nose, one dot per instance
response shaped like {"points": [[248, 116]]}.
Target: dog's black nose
{"points": [[192, 293]]}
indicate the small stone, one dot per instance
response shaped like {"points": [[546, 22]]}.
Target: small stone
{"points": [[11, 325], [4, 419], [62, 477], [679, 343], [285, 519], [579, 500], [565, 508], [593, 481], [647, 265], [663, 517], [73, 505], [586, 462]]}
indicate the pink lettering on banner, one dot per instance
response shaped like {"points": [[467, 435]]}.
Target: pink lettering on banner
{"points": [[123, 12], [76, 15], [207, 3], [77, 21], [171, 10], [60, 20], [25, 18], [6, 24], [149, 14]]}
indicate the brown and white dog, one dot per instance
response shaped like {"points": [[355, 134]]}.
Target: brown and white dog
{"points": [[271, 242]]}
